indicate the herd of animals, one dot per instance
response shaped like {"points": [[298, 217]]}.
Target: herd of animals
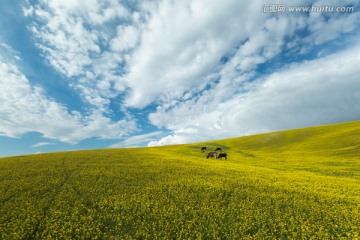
{"points": [[215, 154]]}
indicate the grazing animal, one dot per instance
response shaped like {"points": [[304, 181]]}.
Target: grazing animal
{"points": [[221, 155], [203, 149], [218, 149], [212, 154]]}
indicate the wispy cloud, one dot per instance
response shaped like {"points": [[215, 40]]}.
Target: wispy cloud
{"points": [[41, 144], [137, 139]]}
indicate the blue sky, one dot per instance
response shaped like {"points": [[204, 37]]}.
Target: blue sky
{"points": [[103, 74]]}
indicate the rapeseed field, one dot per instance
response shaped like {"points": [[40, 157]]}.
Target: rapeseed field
{"points": [[298, 184]]}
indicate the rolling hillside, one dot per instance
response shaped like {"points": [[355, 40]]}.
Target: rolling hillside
{"points": [[302, 183]]}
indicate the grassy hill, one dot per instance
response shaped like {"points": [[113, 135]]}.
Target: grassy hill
{"points": [[303, 183]]}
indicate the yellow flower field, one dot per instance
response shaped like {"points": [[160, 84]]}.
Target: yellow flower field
{"points": [[298, 184]]}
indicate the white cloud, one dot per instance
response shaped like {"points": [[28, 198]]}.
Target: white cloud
{"points": [[41, 144], [8, 52], [137, 139], [25, 108], [67, 43], [163, 51], [235, 107], [193, 59], [74, 37], [316, 92], [182, 44], [127, 38], [171, 139], [180, 135], [324, 28], [313, 93]]}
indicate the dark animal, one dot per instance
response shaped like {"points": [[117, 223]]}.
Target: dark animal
{"points": [[221, 155], [203, 149], [218, 149], [212, 154]]}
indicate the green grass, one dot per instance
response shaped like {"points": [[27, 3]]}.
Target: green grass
{"points": [[297, 184]]}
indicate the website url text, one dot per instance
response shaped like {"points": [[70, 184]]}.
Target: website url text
{"points": [[280, 8]]}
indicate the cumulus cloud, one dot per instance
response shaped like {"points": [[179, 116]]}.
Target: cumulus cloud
{"points": [[316, 92], [327, 26], [127, 38], [312, 93], [137, 139], [74, 37], [197, 62], [165, 51], [25, 108], [182, 45], [241, 101], [170, 140]]}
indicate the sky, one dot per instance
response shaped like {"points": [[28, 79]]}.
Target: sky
{"points": [[90, 74]]}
